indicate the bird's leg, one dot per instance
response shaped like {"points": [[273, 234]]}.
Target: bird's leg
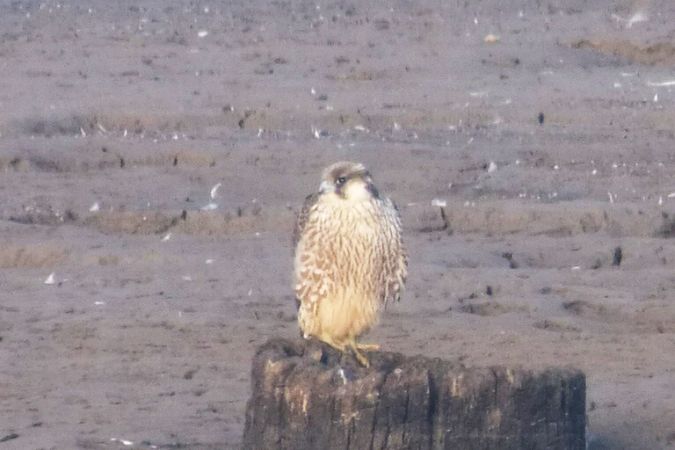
{"points": [[328, 339], [356, 348], [360, 357]]}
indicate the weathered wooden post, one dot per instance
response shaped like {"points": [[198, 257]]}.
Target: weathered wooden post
{"points": [[308, 396]]}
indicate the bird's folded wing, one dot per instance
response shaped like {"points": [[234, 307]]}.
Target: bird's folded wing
{"points": [[303, 215]]}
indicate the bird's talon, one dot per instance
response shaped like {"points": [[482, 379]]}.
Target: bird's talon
{"points": [[361, 358], [368, 347]]}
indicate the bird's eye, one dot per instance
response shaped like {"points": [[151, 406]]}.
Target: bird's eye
{"points": [[341, 180]]}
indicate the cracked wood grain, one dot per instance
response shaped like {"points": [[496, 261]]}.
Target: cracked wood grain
{"points": [[308, 396]]}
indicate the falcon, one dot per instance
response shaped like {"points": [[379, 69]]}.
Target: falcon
{"points": [[349, 258]]}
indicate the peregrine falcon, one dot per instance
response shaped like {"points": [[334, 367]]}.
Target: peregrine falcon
{"points": [[349, 258]]}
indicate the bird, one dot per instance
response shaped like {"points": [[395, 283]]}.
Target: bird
{"points": [[349, 259]]}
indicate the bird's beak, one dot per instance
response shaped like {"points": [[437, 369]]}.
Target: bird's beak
{"points": [[325, 186]]}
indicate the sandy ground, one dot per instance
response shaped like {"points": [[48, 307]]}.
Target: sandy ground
{"points": [[552, 147]]}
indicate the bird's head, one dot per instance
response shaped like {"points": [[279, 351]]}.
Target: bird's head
{"points": [[349, 181]]}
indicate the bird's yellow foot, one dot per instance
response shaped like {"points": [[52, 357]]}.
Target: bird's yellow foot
{"points": [[368, 347], [357, 349], [360, 357], [326, 339]]}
